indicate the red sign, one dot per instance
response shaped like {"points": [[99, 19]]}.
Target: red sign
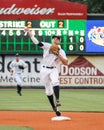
{"points": [[80, 67], [41, 9]]}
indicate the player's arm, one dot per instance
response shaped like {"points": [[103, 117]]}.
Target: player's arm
{"points": [[63, 60], [11, 69], [23, 65], [62, 57], [34, 39]]}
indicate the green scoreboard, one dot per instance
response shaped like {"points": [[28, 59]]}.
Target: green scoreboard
{"points": [[14, 39]]}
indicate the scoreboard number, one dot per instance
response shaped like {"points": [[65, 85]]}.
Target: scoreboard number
{"points": [[61, 24], [81, 47], [10, 32], [71, 47], [3, 33], [29, 24], [81, 39], [18, 33]]}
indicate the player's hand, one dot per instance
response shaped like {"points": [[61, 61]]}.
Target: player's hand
{"points": [[21, 67], [11, 72], [26, 29]]}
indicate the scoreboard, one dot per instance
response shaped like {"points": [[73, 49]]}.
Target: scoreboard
{"points": [[13, 38]]}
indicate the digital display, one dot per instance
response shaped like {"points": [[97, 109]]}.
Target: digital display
{"points": [[14, 39]]}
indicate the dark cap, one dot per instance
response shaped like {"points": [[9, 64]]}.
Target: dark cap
{"points": [[58, 37], [17, 54]]}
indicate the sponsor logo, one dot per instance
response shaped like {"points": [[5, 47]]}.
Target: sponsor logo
{"points": [[36, 10], [80, 67], [31, 75], [81, 72], [96, 35]]}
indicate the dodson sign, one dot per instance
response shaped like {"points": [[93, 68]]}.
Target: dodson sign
{"points": [[83, 71], [48, 9]]}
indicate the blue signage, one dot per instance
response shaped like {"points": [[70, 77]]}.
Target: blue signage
{"points": [[95, 36]]}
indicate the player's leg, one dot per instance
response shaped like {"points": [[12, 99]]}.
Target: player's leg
{"points": [[57, 92], [45, 79], [49, 93], [55, 83], [19, 83], [19, 89]]}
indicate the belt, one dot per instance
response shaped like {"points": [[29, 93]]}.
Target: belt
{"points": [[49, 67]]}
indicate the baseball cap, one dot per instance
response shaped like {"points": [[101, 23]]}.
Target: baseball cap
{"points": [[17, 54], [58, 37]]}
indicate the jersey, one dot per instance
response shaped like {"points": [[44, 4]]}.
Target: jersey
{"points": [[50, 59], [49, 72], [15, 66], [18, 73]]}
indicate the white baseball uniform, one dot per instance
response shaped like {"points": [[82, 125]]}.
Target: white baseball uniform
{"points": [[49, 72], [18, 73]]}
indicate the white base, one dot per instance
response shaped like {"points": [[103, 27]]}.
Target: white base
{"points": [[60, 118]]}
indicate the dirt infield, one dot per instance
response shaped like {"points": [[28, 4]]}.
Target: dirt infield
{"points": [[42, 120]]}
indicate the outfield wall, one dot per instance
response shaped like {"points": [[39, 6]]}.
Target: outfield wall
{"points": [[82, 71]]}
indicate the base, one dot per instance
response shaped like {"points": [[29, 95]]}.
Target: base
{"points": [[60, 118]]}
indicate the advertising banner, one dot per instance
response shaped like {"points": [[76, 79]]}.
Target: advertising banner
{"points": [[95, 36], [40, 9], [84, 71], [31, 73]]}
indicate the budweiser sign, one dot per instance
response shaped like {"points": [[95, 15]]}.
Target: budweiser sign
{"points": [[48, 9], [36, 10]]}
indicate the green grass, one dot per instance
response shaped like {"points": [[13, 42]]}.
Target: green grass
{"points": [[72, 100], [15, 128]]}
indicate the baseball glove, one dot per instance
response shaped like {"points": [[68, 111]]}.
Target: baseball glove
{"points": [[54, 49], [21, 67]]}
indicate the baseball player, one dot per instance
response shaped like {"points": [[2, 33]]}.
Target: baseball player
{"points": [[17, 67], [49, 74]]}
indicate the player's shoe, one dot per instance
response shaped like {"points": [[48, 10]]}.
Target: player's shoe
{"points": [[19, 93], [58, 113], [58, 104]]}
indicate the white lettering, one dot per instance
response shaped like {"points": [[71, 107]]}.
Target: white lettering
{"points": [[32, 11], [74, 71], [64, 70], [12, 24], [6, 10], [44, 24]]}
